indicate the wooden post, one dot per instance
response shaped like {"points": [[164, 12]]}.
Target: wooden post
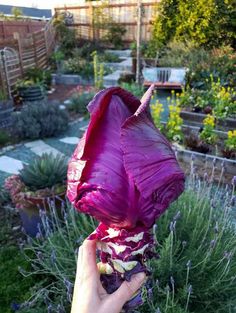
{"points": [[17, 38], [90, 13], [35, 50], [138, 39], [4, 30], [45, 41]]}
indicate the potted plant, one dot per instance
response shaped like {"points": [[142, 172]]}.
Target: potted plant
{"points": [[29, 90], [41, 181]]}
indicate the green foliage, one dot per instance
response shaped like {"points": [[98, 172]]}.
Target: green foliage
{"points": [[174, 124], [65, 35], [201, 22], [4, 196], [45, 171], [78, 66], [230, 142], [109, 57], [79, 102], [201, 63], [197, 265], [208, 134], [4, 137], [98, 71], [17, 13], [218, 63], [157, 109], [39, 120], [3, 95], [103, 21], [13, 287], [135, 89], [54, 257], [114, 35], [39, 76], [219, 99]]}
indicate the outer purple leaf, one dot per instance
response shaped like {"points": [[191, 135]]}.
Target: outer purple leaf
{"points": [[123, 172]]}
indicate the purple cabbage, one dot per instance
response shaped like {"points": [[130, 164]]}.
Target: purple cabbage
{"points": [[125, 174]]}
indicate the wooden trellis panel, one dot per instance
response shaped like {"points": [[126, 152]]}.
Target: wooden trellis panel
{"points": [[123, 12]]}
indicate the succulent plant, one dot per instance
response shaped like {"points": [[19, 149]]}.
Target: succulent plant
{"points": [[45, 171]]}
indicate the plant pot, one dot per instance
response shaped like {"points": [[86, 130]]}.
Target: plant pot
{"points": [[6, 109], [29, 212], [31, 93]]}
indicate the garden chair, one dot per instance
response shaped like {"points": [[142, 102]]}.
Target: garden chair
{"points": [[164, 77]]}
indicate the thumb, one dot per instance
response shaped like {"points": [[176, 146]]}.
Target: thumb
{"points": [[128, 289]]}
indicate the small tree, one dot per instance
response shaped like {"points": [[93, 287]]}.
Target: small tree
{"points": [[17, 13]]}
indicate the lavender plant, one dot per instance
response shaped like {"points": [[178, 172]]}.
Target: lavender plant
{"points": [[195, 239]]}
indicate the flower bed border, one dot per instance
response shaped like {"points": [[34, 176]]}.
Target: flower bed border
{"points": [[196, 119], [206, 161], [71, 79]]}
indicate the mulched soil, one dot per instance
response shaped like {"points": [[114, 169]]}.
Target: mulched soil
{"points": [[64, 92]]}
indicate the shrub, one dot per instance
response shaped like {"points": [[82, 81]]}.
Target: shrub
{"points": [[203, 22], [41, 76], [195, 239], [4, 137], [79, 102], [134, 88], [44, 171], [114, 34], [39, 120], [65, 35], [78, 66], [201, 63], [13, 289]]}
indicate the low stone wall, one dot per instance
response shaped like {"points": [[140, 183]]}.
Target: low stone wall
{"points": [[71, 79], [196, 119]]}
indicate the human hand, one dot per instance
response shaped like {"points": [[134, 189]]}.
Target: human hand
{"points": [[89, 295]]}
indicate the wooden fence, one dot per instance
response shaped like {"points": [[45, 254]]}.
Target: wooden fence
{"points": [[122, 12], [23, 52], [8, 28]]}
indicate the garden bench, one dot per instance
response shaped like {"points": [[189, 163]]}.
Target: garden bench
{"points": [[164, 77]]}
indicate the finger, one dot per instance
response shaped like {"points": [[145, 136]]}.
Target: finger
{"points": [[128, 289], [89, 265], [79, 262]]}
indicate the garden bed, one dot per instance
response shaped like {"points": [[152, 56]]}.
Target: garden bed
{"points": [[71, 79], [196, 119], [205, 162]]}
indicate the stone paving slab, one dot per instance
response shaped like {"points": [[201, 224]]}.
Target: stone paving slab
{"points": [[10, 165], [70, 140], [64, 148], [21, 153], [39, 147]]}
